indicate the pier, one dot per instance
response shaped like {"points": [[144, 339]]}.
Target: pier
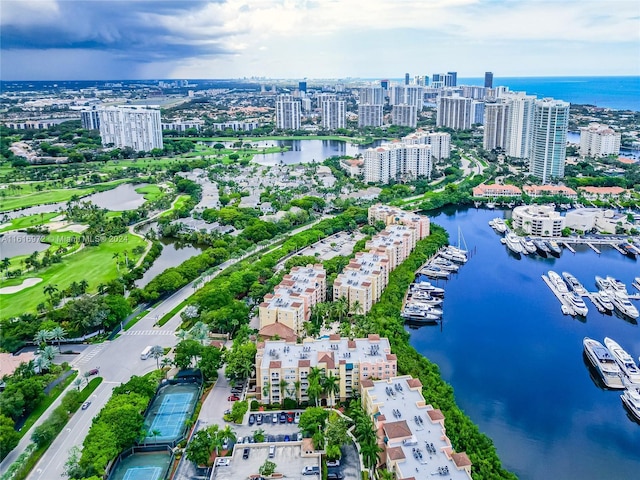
{"points": [[569, 247], [593, 247]]}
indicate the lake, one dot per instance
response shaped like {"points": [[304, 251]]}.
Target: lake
{"points": [[123, 197], [516, 363], [307, 151], [13, 244]]}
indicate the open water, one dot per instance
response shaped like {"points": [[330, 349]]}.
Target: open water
{"points": [[516, 363]]}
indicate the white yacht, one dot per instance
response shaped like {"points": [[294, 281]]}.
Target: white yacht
{"points": [[627, 365], [577, 303], [636, 282], [603, 361], [623, 305], [603, 284], [574, 284], [617, 285], [445, 264], [631, 399], [427, 287], [528, 245], [454, 254], [424, 297], [499, 225], [557, 282], [605, 300], [513, 243]]}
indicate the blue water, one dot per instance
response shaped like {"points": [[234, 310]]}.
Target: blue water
{"points": [[620, 93], [516, 363]]}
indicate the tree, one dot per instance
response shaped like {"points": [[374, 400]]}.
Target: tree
{"points": [[200, 332], [50, 352], [332, 386], [9, 437], [42, 337], [267, 468], [210, 362], [59, 334], [186, 353], [369, 452], [5, 264], [157, 352], [312, 419], [50, 290], [200, 448], [341, 307]]}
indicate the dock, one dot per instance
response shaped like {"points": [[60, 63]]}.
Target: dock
{"points": [[568, 247], [593, 247], [565, 305]]}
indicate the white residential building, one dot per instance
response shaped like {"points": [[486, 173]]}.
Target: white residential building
{"points": [[371, 96], [369, 115], [126, 126], [495, 126], [549, 139], [396, 161], [598, 140], [287, 113], [519, 123], [334, 114], [405, 115], [90, 118], [454, 112], [440, 142], [538, 220]]}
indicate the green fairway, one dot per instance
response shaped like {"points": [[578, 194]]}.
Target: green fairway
{"points": [[94, 264], [29, 221], [150, 192], [10, 202], [182, 199]]}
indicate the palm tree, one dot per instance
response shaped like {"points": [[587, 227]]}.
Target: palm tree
{"points": [[369, 452], [332, 386], [83, 286], [116, 255], [183, 335], [341, 307], [156, 352], [102, 288], [58, 333], [228, 434], [49, 352], [50, 290], [283, 385], [42, 337], [5, 264], [357, 308], [200, 332], [154, 433], [266, 388], [42, 363], [78, 383], [297, 384]]}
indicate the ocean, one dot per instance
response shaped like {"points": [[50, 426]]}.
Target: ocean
{"points": [[620, 93]]}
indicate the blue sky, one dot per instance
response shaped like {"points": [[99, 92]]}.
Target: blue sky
{"points": [[138, 39]]}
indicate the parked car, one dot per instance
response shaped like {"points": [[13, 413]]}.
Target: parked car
{"points": [[283, 417], [274, 418], [227, 411], [258, 419], [296, 417], [299, 437], [245, 453], [224, 462], [333, 463], [311, 470], [240, 440], [290, 417], [334, 476], [272, 451], [85, 405], [287, 438], [225, 444], [233, 398], [252, 419], [271, 438]]}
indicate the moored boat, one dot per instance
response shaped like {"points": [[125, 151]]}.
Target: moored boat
{"points": [[433, 271], [557, 282], [445, 264], [636, 283], [513, 242], [577, 303], [499, 225], [603, 284], [428, 287], [617, 284], [574, 284], [603, 361], [604, 299], [631, 400], [528, 245], [623, 305], [624, 360], [541, 247], [453, 255], [554, 248]]}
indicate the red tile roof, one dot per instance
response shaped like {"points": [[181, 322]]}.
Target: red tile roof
{"points": [[435, 415], [461, 460], [397, 429], [395, 453]]}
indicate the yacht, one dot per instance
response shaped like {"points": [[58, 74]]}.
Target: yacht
{"points": [[625, 361], [631, 400], [411, 316], [636, 283], [426, 298], [574, 284], [603, 284], [629, 249], [445, 264], [603, 361], [452, 253], [617, 285], [541, 246], [499, 225], [513, 242], [427, 287], [433, 271], [623, 305], [557, 282], [576, 302], [426, 308], [554, 248], [528, 245], [604, 299]]}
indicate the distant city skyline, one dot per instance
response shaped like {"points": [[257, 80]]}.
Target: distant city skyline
{"points": [[115, 39]]}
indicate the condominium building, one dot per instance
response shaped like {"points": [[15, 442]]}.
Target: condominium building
{"points": [[183, 125], [405, 115], [395, 216], [538, 220], [287, 113], [440, 142], [334, 114], [477, 112], [90, 118], [236, 126], [283, 368], [371, 96], [536, 191], [519, 123], [413, 438], [549, 139], [474, 92], [126, 126], [495, 126], [369, 115], [291, 302], [496, 190], [321, 98], [397, 241], [598, 140], [407, 94], [454, 112], [396, 161], [488, 79]]}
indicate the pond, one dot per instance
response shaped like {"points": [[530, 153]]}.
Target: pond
{"points": [[123, 197], [13, 244]]}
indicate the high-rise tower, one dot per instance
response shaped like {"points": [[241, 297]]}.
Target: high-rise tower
{"points": [[549, 139]]}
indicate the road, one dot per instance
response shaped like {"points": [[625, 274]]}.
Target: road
{"points": [[118, 360]]}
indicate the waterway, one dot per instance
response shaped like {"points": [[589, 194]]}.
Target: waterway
{"points": [[516, 363]]}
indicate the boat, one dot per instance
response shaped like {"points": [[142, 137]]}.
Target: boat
{"points": [[499, 225], [434, 272], [603, 361], [567, 310], [574, 284], [603, 284], [445, 264], [604, 299], [631, 400], [629, 249], [513, 242], [636, 283], [617, 285], [557, 282], [426, 298], [453, 255], [419, 317], [554, 248], [623, 305], [576, 302], [424, 307], [528, 245], [427, 287], [541, 246], [624, 360]]}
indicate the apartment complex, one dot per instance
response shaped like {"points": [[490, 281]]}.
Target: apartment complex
{"points": [[363, 280], [291, 302], [405, 115], [454, 112], [282, 368], [496, 190], [90, 118], [520, 118], [334, 114], [495, 126], [395, 216], [127, 126], [397, 161], [549, 139], [598, 140], [412, 435], [440, 142], [538, 220], [287, 113], [535, 191], [369, 115]]}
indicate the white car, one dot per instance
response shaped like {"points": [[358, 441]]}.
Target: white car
{"points": [[224, 462]]}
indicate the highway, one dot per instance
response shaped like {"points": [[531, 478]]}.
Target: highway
{"points": [[118, 360]]}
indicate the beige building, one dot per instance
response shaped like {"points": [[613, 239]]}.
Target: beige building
{"points": [[535, 191], [362, 281], [282, 368], [496, 190], [293, 298], [411, 433], [599, 140], [538, 220], [396, 216], [398, 241]]}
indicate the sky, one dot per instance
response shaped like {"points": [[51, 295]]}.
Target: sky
{"points": [[148, 39]]}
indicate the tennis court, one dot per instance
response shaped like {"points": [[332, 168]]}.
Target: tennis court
{"points": [[143, 473], [143, 466], [169, 413]]}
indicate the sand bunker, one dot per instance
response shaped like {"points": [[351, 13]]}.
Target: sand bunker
{"points": [[29, 282], [74, 227]]}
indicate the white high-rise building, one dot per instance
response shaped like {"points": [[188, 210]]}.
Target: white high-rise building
{"points": [[440, 142], [495, 126], [136, 127], [325, 97], [397, 95], [454, 112], [395, 161], [90, 118], [405, 115], [334, 114], [477, 112], [287, 113], [369, 115], [549, 139], [371, 96], [414, 95], [598, 140], [520, 118]]}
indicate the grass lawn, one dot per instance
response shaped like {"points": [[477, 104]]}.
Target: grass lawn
{"points": [[40, 198], [182, 199], [29, 221], [150, 192], [94, 264]]}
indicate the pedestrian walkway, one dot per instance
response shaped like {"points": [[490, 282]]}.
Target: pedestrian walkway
{"points": [[90, 353], [149, 332]]}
